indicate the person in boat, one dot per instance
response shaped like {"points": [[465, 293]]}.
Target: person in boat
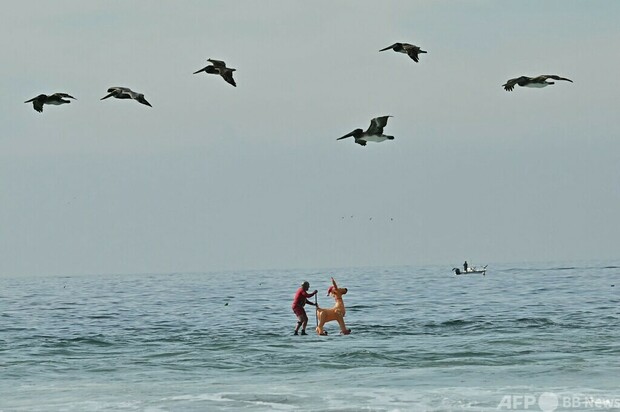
{"points": [[299, 301], [465, 266]]}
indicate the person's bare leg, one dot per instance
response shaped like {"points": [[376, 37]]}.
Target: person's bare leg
{"points": [[299, 322]]}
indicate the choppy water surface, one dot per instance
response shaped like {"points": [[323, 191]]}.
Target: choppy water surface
{"points": [[423, 339]]}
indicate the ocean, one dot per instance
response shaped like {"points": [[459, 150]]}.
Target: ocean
{"points": [[533, 337]]}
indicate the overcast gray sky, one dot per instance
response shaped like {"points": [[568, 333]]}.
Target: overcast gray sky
{"points": [[215, 177]]}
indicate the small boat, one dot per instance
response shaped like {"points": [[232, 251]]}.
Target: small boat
{"points": [[471, 270]]}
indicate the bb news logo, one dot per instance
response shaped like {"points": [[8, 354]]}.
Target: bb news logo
{"points": [[551, 402]]}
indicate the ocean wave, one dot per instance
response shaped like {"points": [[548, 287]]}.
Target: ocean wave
{"points": [[460, 324], [535, 321], [559, 268], [79, 341]]}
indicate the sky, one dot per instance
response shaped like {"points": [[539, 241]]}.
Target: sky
{"points": [[214, 177]]}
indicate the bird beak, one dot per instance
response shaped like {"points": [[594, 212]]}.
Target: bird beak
{"points": [[387, 48], [105, 97]]}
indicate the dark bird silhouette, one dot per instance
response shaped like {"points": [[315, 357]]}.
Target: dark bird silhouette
{"points": [[409, 49], [374, 133], [55, 99], [126, 93], [219, 67], [537, 82]]}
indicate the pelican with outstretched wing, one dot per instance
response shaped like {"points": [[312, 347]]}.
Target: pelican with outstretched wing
{"points": [[374, 133], [536, 82], [126, 93], [409, 49], [219, 67], [54, 99]]}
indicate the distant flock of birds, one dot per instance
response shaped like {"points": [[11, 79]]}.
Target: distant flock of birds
{"points": [[374, 133], [216, 67]]}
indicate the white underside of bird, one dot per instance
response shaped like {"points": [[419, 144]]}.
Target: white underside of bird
{"points": [[537, 85], [377, 139]]}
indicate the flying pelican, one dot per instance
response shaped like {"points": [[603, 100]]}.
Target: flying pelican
{"points": [[55, 99], [373, 134], [407, 48], [219, 67], [538, 82], [126, 93]]}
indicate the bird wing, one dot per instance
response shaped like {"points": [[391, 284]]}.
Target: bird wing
{"points": [[38, 105], [539, 79], [121, 90], [37, 102], [413, 53], [65, 95], [228, 76], [376, 125], [510, 84], [217, 63], [142, 100], [130, 93]]}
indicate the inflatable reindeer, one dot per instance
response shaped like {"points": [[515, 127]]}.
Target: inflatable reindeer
{"points": [[335, 313]]}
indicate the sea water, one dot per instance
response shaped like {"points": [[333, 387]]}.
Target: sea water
{"points": [[523, 337]]}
